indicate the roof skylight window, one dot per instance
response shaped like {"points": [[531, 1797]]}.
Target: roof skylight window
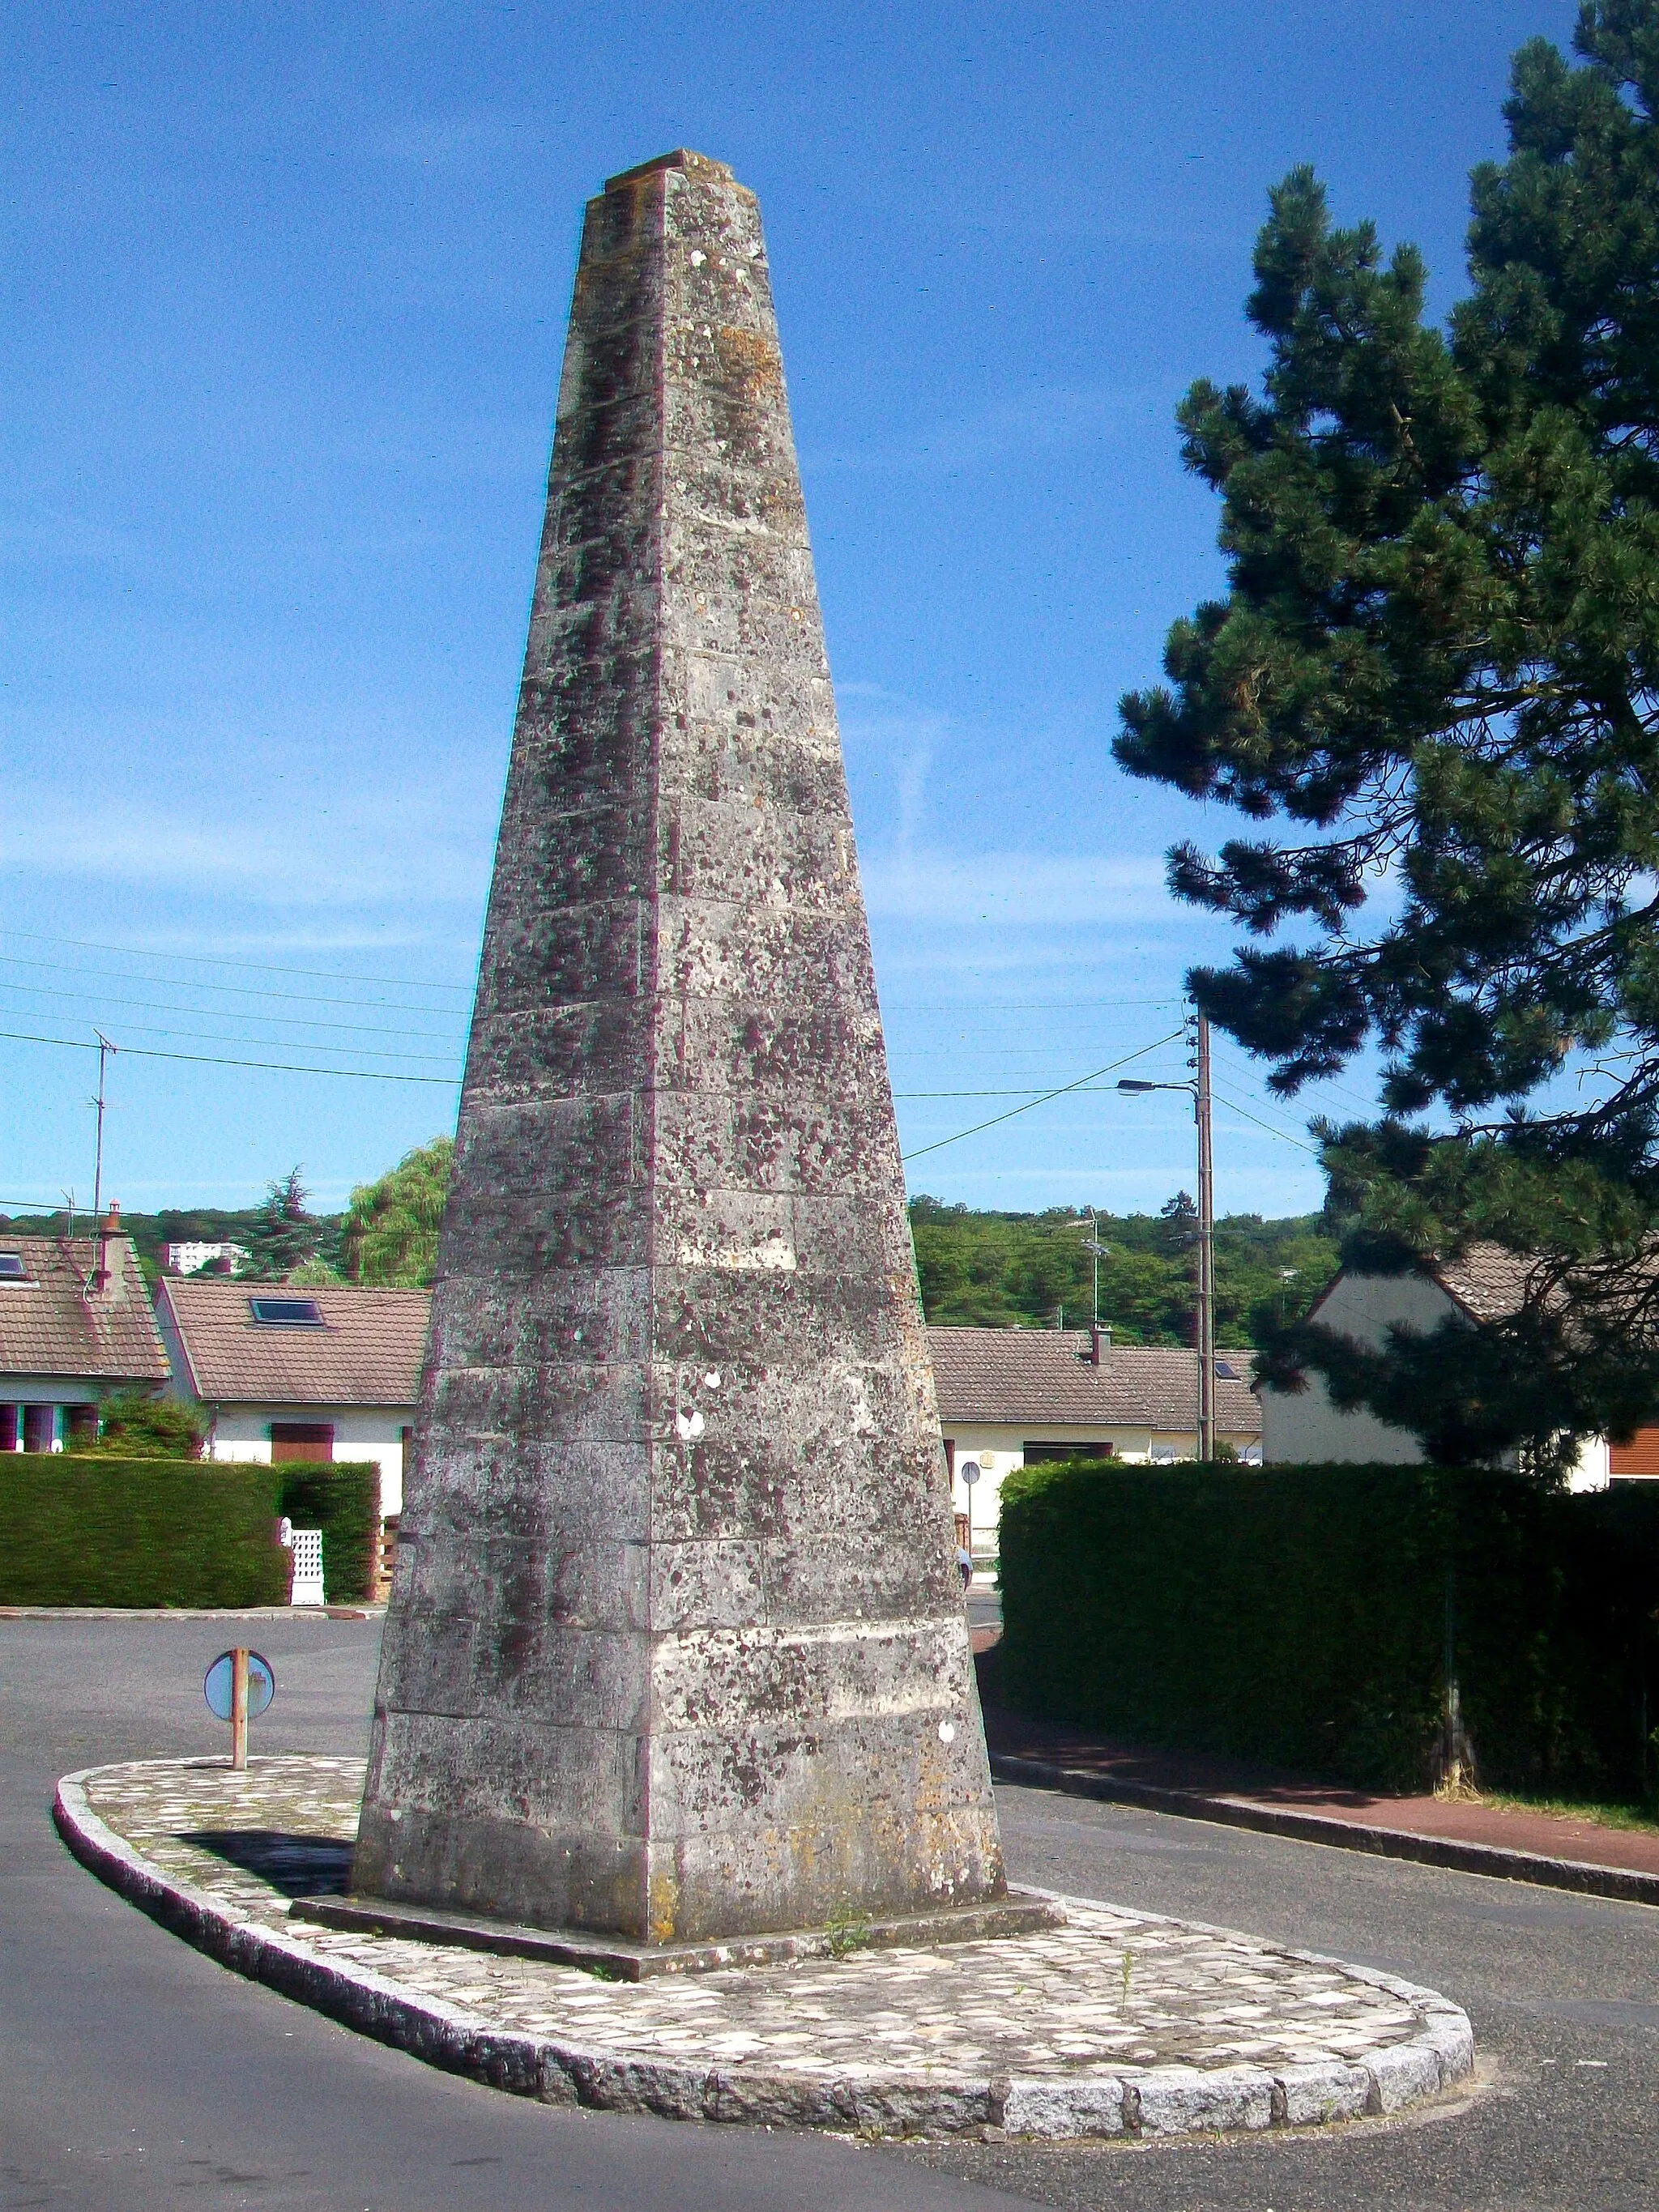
{"points": [[12, 1269], [286, 1313]]}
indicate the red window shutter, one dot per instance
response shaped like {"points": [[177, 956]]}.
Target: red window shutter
{"points": [[302, 1440]]}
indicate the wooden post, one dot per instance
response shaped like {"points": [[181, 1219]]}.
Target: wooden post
{"points": [[239, 1706]]}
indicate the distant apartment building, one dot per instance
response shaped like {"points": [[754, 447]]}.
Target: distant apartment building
{"points": [[223, 1259]]}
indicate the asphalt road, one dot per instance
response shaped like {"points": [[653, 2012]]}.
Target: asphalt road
{"points": [[134, 2073]]}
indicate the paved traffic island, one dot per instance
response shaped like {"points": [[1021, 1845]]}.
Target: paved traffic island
{"points": [[1116, 2023]]}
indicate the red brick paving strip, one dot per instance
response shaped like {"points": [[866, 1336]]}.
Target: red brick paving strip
{"points": [[1224, 1785]]}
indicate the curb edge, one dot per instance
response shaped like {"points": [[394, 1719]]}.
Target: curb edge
{"points": [[1625, 1884]]}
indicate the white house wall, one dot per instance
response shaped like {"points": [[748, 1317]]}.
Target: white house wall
{"points": [[1302, 1426], [55, 1389], [243, 1432], [1003, 1445], [1593, 1468]]}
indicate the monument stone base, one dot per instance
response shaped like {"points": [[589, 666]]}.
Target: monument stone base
{"points": [[625, 1960]]}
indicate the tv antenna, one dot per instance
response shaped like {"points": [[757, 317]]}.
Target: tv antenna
{"points": [[105, 1049]]}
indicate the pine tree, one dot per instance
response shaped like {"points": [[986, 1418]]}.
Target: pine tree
{"points": [[1435, 671], [287, 1234]]}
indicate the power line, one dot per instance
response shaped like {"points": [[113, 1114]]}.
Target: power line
{"points": [[213, 960], [980, 1094], [1284, 1135], [210, 1013], [1043, 1097], [1323, 1082], [302, 1044], [208, 1059], [202, 983]]}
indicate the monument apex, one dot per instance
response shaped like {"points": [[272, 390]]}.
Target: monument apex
{"points": [[677, 1648]]}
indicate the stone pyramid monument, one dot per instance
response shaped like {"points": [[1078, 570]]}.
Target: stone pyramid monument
{"points": [[677, 1648]]}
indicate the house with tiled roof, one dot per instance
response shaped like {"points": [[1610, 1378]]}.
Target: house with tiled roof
{"points": [[284, 1372], [75, 1327], [1008, 1396], [1484, 1283]]}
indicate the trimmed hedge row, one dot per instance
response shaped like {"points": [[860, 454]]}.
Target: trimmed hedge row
{"points": [[1303, 1616], [105, 1531], [95, 1529], [343, 1498]]}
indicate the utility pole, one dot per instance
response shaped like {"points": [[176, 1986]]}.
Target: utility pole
{"points": [[1197, 1086], [1205, 1243]]}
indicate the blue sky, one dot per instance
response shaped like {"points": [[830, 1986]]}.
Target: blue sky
{"points": [[287, 296]]}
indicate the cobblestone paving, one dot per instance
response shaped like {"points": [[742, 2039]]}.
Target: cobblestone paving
{"points": [[1109, 1994]]}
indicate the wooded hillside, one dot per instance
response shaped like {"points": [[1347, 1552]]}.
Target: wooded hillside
{"points": [[1008, 1269]]}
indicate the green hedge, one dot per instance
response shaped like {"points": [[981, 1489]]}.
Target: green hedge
{"points": [[1299, 1616], [343, 1498], [140, 1532]]}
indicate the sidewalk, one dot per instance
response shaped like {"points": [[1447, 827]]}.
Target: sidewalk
{"points": [[368, 1610], [1557, 1850]]}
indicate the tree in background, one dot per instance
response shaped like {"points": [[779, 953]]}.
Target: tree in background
{"points": [[287, 1235], [1436, 672], [1025, 1270], [137, 1426], [390, 1234]]}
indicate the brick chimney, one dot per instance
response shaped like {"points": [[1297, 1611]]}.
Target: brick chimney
{"points": [[108, 1229]]}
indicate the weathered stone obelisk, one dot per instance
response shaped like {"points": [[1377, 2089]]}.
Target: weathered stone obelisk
{"points": [[677, 1648]]}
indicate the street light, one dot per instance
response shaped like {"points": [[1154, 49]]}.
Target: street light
{"points": [[1199, 1090]]}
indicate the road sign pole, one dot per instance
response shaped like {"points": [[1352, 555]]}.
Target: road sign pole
{"points": [[239, 1706]]}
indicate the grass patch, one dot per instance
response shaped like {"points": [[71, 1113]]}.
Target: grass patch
{"points": [[1643, 1819]]}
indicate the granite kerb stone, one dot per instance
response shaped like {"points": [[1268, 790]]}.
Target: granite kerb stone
{"points": [[1163, 2100]]}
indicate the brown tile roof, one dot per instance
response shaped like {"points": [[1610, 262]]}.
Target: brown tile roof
{"points": [[367, 1353], [1032, 1376], [1487, 1280], [50, 1324]]}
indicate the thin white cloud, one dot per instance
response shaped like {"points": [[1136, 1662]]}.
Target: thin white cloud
{"points": [[388, 849]]}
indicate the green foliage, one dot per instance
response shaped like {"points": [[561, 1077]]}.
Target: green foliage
{"points": [[313, 1274], [137, 1532], [1296, 1616], [287, 1235], [343, 1498], [1436, 672], [390, 1234], [134, 1425], [1006, 1270]]}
